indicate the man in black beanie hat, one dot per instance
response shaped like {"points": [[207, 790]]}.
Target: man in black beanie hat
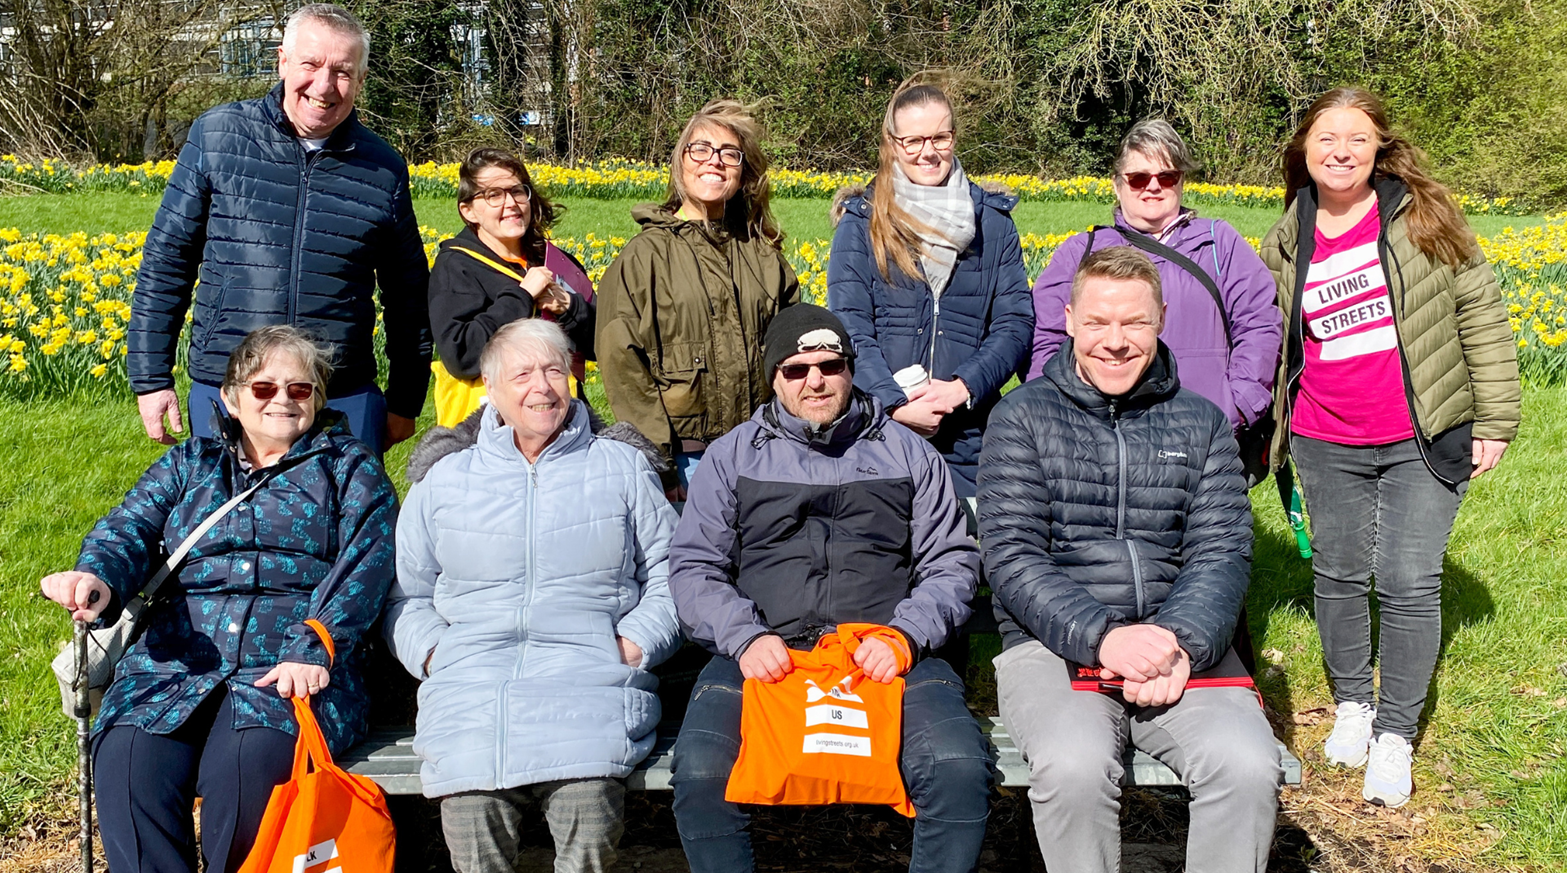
{"points": [[821, 510]]}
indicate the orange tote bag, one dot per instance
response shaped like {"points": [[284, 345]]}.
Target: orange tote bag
{"points": [[825, 733], [324, 819]]}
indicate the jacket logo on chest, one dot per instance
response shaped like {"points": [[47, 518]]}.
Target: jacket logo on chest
{"points": [[1165, 454]]}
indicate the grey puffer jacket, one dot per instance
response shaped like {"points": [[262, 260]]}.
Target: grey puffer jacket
{"points": [[515, 579], [1097, 512]]}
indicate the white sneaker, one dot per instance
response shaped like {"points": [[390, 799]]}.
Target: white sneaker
{"points": [[1346, 746], [1387, 776]]}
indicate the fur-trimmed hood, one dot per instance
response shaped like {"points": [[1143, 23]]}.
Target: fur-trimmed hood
{"points": [[857, 198], [439, 442]]}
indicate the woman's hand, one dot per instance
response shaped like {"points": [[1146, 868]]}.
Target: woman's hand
{"points": [[83, 595], [546, 291], [630, 653], [1486, 455], [296, 680]]}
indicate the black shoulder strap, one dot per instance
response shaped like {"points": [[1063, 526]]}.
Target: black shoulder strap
{"points": [[1154, 247]]}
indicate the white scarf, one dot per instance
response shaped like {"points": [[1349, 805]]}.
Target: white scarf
{"points": [[948, 211]]}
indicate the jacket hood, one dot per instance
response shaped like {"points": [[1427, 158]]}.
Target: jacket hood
{"points": [[864, 418], [1160, 382], [857, 199], [438, 442]]}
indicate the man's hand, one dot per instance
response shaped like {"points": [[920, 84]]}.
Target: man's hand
{"points": [[1486, 455], [676, 494], [296, 680], [1138, 651], [398, 429], [945, 395], [766, 659], [1161, 691], [84, 595], [877, 659], [153, 406], [630, 653]]}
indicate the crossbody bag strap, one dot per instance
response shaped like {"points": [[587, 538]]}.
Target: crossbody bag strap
{"points": [[493, 264], [1154, 247], [140, 601]]}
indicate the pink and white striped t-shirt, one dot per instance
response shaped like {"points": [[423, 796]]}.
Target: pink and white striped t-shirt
{"points": [[1352, 389]]}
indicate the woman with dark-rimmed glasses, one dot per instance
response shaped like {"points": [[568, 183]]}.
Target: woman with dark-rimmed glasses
{"points": [[927, 275], [683, 308], [500, 268], [1227, 353]]}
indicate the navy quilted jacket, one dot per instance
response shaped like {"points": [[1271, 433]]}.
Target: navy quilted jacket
{"points": [[279, 235], [981, 329], [1096, 512], [314, 542]]}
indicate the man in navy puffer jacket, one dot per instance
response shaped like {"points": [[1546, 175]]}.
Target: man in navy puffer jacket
{"points": [[287, 210], [1117, 535]]}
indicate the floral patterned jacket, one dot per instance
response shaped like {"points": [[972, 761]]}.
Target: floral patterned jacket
{"points": [[316, 541]]}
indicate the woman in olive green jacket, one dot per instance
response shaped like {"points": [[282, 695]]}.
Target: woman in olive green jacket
{"points": [[683, 308], [1399, 385]]}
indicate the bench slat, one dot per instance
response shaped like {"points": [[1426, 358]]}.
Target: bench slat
{"points": [[387, 757]]}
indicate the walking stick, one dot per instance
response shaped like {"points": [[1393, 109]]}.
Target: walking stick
{"points": [[84, 745]]}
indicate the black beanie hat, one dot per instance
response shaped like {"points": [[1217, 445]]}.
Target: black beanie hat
{"points": [[804, 327]]}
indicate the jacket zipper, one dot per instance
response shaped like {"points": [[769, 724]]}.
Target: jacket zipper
{"points": [[935, 325], [299, 229], [1120, 508]]}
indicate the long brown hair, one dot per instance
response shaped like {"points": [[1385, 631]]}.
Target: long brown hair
{"points": [[1436, 224], [895, 233], [543, 213], [751, 207]]}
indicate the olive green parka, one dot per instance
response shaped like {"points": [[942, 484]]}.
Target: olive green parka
{"points": [[1459, 360], [681, 315]]}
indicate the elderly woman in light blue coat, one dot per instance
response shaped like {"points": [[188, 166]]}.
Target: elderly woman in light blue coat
{"points": [[532, 599]]}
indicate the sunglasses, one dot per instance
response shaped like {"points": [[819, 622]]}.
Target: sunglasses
{"points": [[1139, 181], [298, 391], [831, 367]]}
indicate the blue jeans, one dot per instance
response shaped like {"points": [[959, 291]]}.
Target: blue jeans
{"points": [[364, 408], [946, 767]]}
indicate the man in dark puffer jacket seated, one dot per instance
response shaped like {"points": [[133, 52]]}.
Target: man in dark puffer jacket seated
{"points": [[1117, 534]]}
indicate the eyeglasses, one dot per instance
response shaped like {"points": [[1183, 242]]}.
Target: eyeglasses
{"points": [[913, 145], [299, 391], [1139, 181], [497, 196], [829, 367], [728, 156]]}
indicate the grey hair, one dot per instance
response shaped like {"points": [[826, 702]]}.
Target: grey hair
{"points": [[335, 18], [530, 338], [1156, 138], [252, 353]]}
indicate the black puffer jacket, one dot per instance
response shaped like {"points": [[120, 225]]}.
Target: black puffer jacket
{"points": [[278, 235], [1096, 512]]}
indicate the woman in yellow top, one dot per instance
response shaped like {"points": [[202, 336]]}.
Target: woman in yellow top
{"points": [[502, 267]]}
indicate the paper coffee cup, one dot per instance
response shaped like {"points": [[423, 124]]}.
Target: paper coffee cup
{"points": [[911, 377]]}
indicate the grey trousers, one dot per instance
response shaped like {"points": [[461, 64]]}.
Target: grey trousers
{"points": [[585, 816], [1217, 739]]}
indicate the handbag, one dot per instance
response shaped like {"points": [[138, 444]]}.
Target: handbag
{"points": [[824, 733], [106, 646], [324, 819]]}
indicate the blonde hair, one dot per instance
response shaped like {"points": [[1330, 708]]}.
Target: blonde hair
{"points": [[1119, 263], [252, 353], [751, 206], [1436, 225], [894, 233]]}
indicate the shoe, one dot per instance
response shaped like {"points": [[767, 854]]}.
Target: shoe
{"points": [[1387, 776], [1346, 746]]}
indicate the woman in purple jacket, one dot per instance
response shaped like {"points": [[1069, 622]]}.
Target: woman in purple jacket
{"points": [[1226, 356]]}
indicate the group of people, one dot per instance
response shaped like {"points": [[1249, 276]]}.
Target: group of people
{"points": [[854, 463]]}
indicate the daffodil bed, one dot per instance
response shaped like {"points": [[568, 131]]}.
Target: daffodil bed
{"points": [[65, 300], [617, 179]]}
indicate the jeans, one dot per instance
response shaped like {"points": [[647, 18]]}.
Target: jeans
{"points": [[586, 818], [1377, 512], [685, 466], [1217, 739], [364, 408], [945, 761], [146, 784]]}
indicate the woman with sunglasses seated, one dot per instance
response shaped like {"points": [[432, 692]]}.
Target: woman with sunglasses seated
{"points": [[500, 268], [199, 705], [927, 275], [686, 303], [1228, 357]]}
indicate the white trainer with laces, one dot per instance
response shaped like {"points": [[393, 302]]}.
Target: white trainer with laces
{"points": [[1351, 736], [1388, 782]]}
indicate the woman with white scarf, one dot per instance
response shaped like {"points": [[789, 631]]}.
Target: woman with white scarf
{"points": [[927, 275]]}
